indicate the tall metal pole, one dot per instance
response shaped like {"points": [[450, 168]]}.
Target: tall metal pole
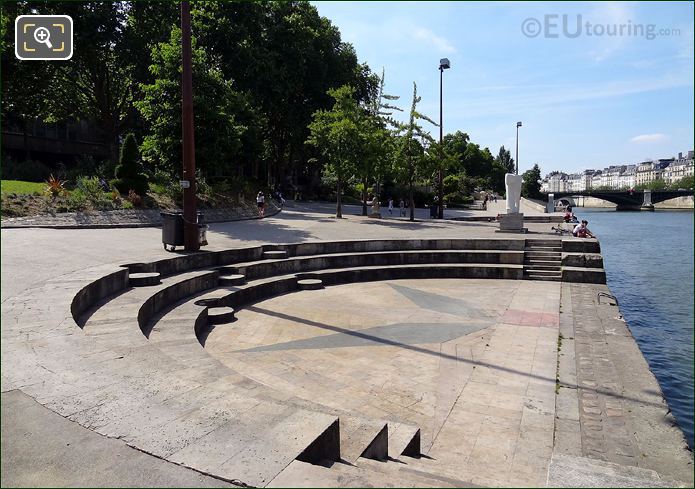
{"points": [[517, 149], [190, 215], [440, 193]]}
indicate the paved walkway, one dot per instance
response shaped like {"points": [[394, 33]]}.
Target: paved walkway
{"points": [[136, 218], [480, 358]]}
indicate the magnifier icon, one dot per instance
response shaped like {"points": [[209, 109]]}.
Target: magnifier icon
{"points": [[43, 36]]}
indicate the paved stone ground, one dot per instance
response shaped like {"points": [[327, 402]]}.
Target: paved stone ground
{"points": [[151, 217], [54, 452], [505, 420], [471, 362]]}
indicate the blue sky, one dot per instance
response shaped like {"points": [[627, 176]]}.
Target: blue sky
{"points": [[587, 101]]}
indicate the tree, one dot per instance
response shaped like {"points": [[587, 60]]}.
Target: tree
{"points": [[338, 135], [23, 83], [377, 160], [531, 183], [129, 175], [222, 115], [411, 148], [285, 56], [96, 83], [503, 164], [441, 158], [505, 160]]}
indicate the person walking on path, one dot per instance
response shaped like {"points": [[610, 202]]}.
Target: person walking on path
{"points": [[260, 202], [390, 205], [402, 207]]}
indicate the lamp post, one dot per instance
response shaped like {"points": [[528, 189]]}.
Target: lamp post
{"points": [[518, 125], [190, 215], [444, 64]]}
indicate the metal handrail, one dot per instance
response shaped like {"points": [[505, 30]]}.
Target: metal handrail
{"points": [[605, 294]]}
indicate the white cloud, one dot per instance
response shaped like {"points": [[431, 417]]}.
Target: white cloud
{"points": [[435, 40], [649, 138]]}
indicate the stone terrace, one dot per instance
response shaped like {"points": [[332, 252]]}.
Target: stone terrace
{"points": [[474, 364]]}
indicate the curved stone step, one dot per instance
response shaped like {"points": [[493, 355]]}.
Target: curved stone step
{"points": [[308, 263], [309, 284], [220, 315], [232, 279], [144, 279], [275, 254]]}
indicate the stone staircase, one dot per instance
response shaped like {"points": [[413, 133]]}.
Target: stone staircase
{"points": [[142, 350], [543, 259]]}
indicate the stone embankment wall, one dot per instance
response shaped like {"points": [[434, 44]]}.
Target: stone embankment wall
{"points": [[677, 203]]}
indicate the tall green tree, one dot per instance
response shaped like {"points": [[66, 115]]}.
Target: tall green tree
{"points": [[379, 128], [411, 148], [222, 115], [531, 183], [129, 174], [503, 164], [286, 56], [505, 160], [339, 137], [96, 83], [24, 84]]}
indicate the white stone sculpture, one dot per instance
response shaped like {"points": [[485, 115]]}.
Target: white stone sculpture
{"points": [[513, 185]]}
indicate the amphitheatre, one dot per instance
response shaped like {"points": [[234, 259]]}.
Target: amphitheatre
{"points": [[302, 351]]}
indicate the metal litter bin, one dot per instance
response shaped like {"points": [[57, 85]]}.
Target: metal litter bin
{"points": [[172, 229]]}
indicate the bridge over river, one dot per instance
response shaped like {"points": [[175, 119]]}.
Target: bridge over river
{"points": [[623, 199]]}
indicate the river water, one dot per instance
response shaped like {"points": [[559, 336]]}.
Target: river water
{"points": [[648, 258]]}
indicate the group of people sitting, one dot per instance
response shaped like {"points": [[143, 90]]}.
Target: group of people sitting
{"points": [[580, 230]]}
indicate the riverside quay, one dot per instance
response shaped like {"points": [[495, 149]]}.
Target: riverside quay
{"points": [[288, 353]]}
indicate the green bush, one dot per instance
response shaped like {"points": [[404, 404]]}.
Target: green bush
{"points": [[129, 175], [95, 195], [77, 201], [28, 170]]}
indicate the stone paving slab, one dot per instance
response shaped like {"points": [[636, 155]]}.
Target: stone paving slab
{"points": [[611, 402]]}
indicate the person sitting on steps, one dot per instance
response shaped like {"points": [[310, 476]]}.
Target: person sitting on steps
{"points": [[582, 231]]}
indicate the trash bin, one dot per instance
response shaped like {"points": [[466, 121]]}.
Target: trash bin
{"points": [[433, 211], [172, 229]]}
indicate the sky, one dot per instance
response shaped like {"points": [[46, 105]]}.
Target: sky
{"points": [[616, 90]]}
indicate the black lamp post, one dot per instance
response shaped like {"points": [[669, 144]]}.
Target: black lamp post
{"points": [[444, 64], [518, 125]]}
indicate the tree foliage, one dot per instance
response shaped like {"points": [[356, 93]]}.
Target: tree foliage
{"points": [[340, 138], [502, 164], [129, 175], [222, 115], [531, 183], [412, 143]]}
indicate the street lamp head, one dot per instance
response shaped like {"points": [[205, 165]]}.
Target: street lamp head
{"points": [[444, 64], [518, 124]]}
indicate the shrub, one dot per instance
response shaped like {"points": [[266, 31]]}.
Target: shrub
{"points": [[54, 186], [77, 201], [91, 188], [129, 175], [134, 198], [28, 171]]}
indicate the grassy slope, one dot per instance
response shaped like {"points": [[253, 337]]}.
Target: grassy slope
{"points": [[20, 187]]}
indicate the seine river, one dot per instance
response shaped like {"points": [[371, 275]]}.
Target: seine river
{"points": [[648, 258]]}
